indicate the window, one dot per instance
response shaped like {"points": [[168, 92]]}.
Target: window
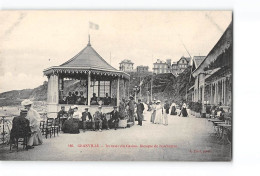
{"points": [[183, 61], [100, 88], [104, 88]]}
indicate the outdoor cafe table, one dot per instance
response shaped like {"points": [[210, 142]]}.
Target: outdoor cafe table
{"points": [[214, 121]]}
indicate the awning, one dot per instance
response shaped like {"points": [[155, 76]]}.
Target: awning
{"points": [[209, 73]]}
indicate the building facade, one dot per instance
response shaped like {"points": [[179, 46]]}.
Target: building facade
{"points": [[168, 67], [213, 76], [179, 66], [142, 69], [126, 66], [160, 66]]}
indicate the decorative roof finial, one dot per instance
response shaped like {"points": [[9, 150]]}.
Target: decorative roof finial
{"points": [[89, 40]]}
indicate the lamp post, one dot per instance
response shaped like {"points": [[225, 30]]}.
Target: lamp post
{"points": [[148, 96], [135, 90], [140, 85]]}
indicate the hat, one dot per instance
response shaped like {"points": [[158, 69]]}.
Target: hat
{"points": [[99, 107], [158, 101], [75, 106], [139, 99], [86, 108], [24, 111], [62, 106], [26, 102]]}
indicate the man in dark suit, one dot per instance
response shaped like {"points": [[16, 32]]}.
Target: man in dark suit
{"points": [[93, 100], [114, 117], [131, 109], [107, 100], [86, 116], [140, 110], [20, 127]]}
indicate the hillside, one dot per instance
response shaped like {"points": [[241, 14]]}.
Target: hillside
{"points": [[167, 86]]}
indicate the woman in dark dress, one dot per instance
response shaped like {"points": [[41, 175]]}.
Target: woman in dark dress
{"points": [[173, 109], [184, 111], [72, 124]]}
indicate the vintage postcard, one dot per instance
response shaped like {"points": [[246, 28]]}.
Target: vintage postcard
{"points": [[116, 85]]}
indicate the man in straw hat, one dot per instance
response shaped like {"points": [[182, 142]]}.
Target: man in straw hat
{"points": [[34, 120], [98, 119]]}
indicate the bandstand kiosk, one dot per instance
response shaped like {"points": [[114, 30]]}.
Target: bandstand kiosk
{"points": [[93, 74]]}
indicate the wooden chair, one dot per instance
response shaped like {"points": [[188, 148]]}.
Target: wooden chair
{"points": [[56, 126], [42, 127], [19, 139], [49, 127]]}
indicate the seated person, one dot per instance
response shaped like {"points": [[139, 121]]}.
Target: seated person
{"points": [[70, 112], [75, 96], [107, 100], [221, 114], [100, 102], [62, 115], [76, 114], [86, 116], [20, 126], [99, 118], [63, 100], [70, 99], [93, 100], [114, 117], [81, 100]]}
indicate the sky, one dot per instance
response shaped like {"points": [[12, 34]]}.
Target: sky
{"points": [[31, 41]]}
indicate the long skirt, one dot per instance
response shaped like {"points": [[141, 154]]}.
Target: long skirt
{"points": [[184, 112], [173, 111], [131, 115], [35, 138], [158, 117], [153, 116], [71, 126]]}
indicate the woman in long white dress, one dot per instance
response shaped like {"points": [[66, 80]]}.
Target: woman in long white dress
{"points": [[34, 119], [153, 108], [158, 114]]}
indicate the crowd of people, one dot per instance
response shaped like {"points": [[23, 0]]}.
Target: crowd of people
{"points": [[78, 98], [218, 111], [28, 123], [72, 120], [161, 111]]}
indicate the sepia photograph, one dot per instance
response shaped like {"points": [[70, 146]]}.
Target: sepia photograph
{"points": [[116, 85]]}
